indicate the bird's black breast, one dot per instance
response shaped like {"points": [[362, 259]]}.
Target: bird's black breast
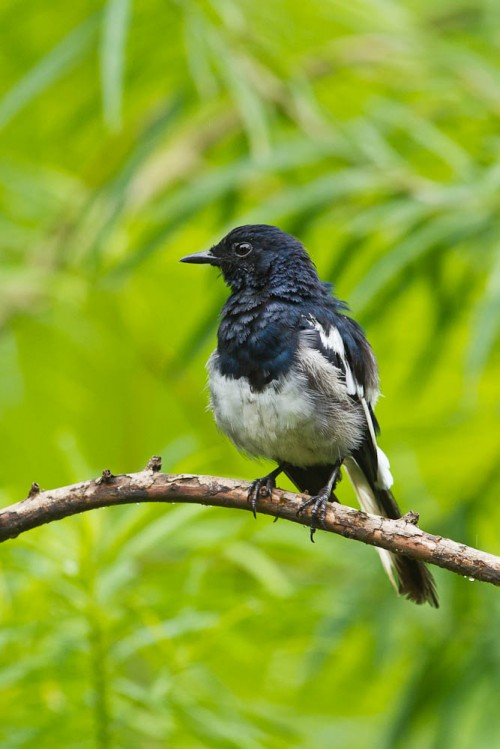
{"points": [[257, 339]]}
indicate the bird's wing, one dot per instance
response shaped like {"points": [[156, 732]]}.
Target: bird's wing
{"points": [[342, 342]]}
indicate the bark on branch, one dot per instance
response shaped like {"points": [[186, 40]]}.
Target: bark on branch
{"points": [[401, 536]]}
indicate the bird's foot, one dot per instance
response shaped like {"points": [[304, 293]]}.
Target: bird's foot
{"points": [[262, 488], [319, 505], [320, 501]]}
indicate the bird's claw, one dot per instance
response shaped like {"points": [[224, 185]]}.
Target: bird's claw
{"points": [[319, 505], [260, 488]]}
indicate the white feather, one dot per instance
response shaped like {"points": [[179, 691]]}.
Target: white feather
{"points": [[368, 503], [332, 341], [384, 477], [369, 421]]}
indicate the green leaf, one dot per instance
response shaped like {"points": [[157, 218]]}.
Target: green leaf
{"points": [[116, 19], [49, 69]]}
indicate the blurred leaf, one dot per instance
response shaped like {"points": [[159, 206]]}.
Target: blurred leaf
{"points": [[486, 325], [116, 20], [55, 64], [260, 566]]}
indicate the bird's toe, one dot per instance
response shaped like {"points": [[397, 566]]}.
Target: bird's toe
{"points": [[260, 488], [319, 505]]}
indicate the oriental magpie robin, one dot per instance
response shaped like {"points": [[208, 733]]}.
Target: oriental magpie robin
{"points": [[294, 380]]}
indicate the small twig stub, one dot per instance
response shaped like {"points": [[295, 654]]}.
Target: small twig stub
{"points": [[154, 464], [106, 477]]}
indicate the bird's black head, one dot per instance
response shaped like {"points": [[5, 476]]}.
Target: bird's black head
{"points": [[257, 256]]}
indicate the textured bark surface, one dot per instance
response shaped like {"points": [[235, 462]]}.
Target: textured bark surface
{"points": [[401, 536]]}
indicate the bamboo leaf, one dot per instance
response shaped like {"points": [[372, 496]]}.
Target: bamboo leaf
{"points": [[116, 20], [54, 65]]}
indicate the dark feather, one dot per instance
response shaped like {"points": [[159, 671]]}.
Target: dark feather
{"points": [[311, 479]]}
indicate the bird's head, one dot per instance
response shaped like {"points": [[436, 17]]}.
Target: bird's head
{"points": [[257, 255]]}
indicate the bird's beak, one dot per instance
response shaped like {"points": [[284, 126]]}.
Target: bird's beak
{"points": [[201, 257]]}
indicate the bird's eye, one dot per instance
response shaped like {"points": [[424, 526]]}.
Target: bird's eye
{"points": [[242, 249]]}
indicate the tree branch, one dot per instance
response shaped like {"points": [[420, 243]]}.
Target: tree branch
{"points": [[401, 536]]}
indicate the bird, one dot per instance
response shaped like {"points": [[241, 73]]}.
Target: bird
{"points": [[294, 380]]}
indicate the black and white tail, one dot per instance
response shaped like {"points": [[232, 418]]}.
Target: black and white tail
{"points": [[410, 577]]}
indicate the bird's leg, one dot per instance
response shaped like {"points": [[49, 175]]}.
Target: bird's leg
{"points": [[268, 483], [319, 502]]}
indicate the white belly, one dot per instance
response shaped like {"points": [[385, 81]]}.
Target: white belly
{"points": [[286, 421]]}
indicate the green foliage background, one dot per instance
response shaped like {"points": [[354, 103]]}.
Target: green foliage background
{"points": [[132, 134]]}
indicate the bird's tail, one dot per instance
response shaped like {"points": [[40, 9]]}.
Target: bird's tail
{"points": [[410, 577]]}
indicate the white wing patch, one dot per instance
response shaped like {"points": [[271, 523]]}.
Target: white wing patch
{"points": [[333, 342]]}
